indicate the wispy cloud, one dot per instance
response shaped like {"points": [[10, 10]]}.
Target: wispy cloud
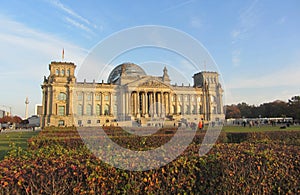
{"points": [[236, 57], [286, 77], [74, 18], [196, 22], [78, 25], [247, 20], [176, 6], [24, 60]]}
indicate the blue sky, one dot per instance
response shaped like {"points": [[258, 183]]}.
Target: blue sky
{"points": [[256, 44]]}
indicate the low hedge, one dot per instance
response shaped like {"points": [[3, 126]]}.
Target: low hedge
{"points": [[245, 168], [261, 163]]}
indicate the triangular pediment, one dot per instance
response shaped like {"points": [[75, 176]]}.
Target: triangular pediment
{"points": [[148, 82]]}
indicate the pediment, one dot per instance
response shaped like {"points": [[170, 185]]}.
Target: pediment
{"points": [[151, 82]]}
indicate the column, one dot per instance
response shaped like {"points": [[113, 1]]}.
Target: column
{"points": [[48, 101], [151, 102], [163, 106], [190, 105], [143, 103], [83, 103], [127, 103], [197, 105], [93, 104], [111, 104], [102, 103], [154, 104], [169, 103], [69, 105], [166, 103], [176, 104], [133, 103], [138, 102], [158, 103], [122, 109], [146, 103]]}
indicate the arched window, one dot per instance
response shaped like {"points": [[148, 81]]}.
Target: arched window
{"points": [[115, 110], [106, 109], [61, 110], [186, 109], [57, 72], [98, 97], [79, 109], [79, 96], [194, 109], [62, 96], [89, 96], [98, 109], [62, 72], [68, 72], [106, 97], [89, 109]]}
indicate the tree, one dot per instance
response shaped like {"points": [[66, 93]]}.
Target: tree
{"points": [[10, 119], [232, 111], [245, 110], [294, 107]]}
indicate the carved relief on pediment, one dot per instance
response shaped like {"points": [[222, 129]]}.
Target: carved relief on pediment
{"points": [[154, 84]]}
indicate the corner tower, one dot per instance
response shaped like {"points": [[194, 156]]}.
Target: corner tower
{"points": [[57, 94], [212, 94]]}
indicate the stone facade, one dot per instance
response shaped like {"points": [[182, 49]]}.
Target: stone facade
{"points": [[129, 97]]}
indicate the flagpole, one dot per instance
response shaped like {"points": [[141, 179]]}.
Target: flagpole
{"points": [[63, 54]]}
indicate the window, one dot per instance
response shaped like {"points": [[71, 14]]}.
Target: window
{"points": [[79, 97], [89, 109], [61, 110], [89, 122], [63, 72], [98, 121], [79, 123], [98, 97], [79, 109], [194, 109], [98, 110], [89, 96], [61, 123], [106, 98], [106, 109], [68, 72], [115, 110], [62, 96], [57, 72]]}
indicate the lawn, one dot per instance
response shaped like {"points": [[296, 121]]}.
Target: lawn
{"points": [[259, 129], [19, 139]]}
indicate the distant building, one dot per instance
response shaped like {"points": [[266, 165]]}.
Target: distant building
{"points": [[128, 95]]}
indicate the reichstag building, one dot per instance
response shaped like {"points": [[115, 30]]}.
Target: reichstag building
{"points": [[130, 97]]}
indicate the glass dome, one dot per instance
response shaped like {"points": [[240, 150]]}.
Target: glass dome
{"points": [[129, 69]]}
